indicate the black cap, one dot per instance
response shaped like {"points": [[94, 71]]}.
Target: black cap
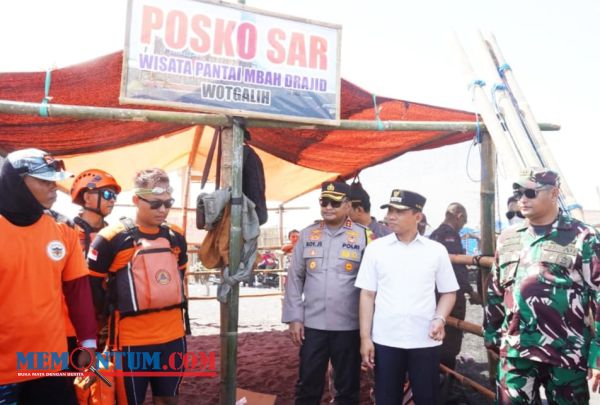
{"points": [[335, 190], [403, 200], [359, 195]]}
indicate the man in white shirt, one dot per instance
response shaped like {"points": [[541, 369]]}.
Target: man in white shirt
{"points": [[401, 329]]}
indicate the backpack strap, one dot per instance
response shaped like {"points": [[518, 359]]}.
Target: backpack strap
{"points": [[131, 230], [60, 218], [87, 231]]}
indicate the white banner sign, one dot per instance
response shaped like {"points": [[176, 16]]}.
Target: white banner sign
{"points": [[231, 59]]}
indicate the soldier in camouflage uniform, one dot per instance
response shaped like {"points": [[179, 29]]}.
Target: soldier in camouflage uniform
{"points": [[321, 303], [544, 283]]}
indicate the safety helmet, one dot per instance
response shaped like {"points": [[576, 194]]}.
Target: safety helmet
{"points": [[91, 179]]}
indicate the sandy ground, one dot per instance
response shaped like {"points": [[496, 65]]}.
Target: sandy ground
{"points": [[268, 362]]}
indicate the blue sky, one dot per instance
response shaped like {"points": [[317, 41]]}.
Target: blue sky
{"points": [[397, 49]]}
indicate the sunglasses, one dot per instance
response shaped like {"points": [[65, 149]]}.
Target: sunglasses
{"points": [[530, 193], [324, 202], [108, 194], [49, 162], [511, 214], [156, 204]]}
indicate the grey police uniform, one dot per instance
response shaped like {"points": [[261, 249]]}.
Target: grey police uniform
{"points": [[320, 293], [323, 269]]}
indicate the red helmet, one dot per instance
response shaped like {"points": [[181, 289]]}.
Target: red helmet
{"points": [[89, 180]]}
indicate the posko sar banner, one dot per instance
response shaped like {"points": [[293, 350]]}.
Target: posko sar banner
{"points": [[231, 59]]}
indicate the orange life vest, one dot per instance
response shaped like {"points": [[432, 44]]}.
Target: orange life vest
{"points": [[151, 281]]}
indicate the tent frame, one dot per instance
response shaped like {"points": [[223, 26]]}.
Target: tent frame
{"points": [[233, 146]]}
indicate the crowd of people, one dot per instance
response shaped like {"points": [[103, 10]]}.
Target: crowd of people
{"points": [[128, 297], [541, 315], [360, 294]]}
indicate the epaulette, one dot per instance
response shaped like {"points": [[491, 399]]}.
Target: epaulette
{"points": [[348, 223]]}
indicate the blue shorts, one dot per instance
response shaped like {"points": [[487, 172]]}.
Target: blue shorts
{"points": [[136, 386]]}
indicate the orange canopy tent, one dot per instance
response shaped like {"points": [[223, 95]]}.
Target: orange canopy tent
{"points": [[295, 160]]}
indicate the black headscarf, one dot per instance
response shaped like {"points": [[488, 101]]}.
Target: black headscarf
{"points": [[17, 204]]}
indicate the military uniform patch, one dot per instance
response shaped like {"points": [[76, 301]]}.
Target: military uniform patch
{"points": [[312, 265], [315, 234], [348, 266]]}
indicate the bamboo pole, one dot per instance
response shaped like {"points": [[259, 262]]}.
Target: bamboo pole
{"points": [[188, 175], [232, 156], [465, 326], [188, 118], [467, 381], [484, 261], [488, 113], [273, 294], [529, 122], [281, 224], [488, 222]]}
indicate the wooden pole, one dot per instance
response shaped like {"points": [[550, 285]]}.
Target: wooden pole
{"points": [[215, 120], [232, 149], [188, 175], [484, 261], [467, 381], [281, 236], [464, 326], [488, 221]]}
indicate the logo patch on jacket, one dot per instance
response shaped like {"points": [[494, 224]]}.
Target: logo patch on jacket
{"points": [[56, 250], [162, 277]]}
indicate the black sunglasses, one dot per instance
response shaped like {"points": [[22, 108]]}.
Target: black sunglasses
{"points": [[510, 214], [530, 193], [156, 204], [324, 202]]}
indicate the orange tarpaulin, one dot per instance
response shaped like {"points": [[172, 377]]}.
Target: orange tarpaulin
{"points": [[295, 160]]}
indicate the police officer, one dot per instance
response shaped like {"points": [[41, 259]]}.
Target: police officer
{"points": [[545, 280], [361, 211], [448, 235], [321, 302]]}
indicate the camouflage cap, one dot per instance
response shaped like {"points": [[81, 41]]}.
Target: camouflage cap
{"points": [[403, 200], [39, 164], [536, 177], [335, 190]]}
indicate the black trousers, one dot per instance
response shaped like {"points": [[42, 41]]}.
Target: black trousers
{"points": [[319, 346], [453, 339], [391, 366]]}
